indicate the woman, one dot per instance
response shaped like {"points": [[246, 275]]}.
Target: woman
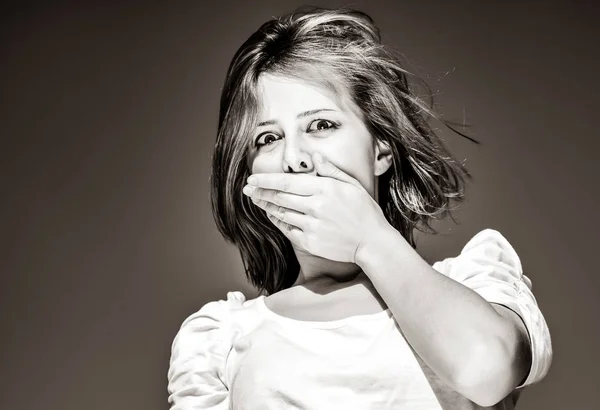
{"points": [[324, 165]]}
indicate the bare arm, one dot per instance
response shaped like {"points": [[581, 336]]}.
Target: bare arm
{"points": [[479, 349]]}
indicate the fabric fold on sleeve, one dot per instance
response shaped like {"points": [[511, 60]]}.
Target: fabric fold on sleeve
{"points": [[490, 266], [198, 356]]}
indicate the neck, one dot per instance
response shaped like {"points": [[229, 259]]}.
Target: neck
{"points": [[314, 268]]}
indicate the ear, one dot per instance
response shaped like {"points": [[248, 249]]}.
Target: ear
{"points": [[383, 157]]}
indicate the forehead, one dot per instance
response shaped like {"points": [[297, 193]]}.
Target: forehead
{"points": [[278, 95]]}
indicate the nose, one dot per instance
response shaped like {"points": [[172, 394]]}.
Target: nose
{"points": [[296, 157]]}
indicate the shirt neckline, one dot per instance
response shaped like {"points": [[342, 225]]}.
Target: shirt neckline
{"points": [[328, 324]]}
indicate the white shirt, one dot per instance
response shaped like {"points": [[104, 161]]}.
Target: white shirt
{"points": [[237, 354]]}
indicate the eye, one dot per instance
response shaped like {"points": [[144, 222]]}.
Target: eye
{"points": [[266, 138], [321, 125]]}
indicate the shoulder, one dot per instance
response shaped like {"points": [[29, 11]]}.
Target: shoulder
{"points": [[199, 353], [222, 314], [219, 310], [485, 250], [200, 348], [212, 322]]}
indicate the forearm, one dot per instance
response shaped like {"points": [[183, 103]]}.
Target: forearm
{"points": [[453, 329]]}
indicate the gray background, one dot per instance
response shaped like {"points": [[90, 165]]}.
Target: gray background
{"points": [[108, 122]]}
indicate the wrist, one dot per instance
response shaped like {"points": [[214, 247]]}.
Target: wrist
{"points": [[375, 245]]}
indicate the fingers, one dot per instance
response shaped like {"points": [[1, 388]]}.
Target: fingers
{"points": [[293, 233], [289, 217], [326, 168], [299, 184], [282, 213], [277, 198]]}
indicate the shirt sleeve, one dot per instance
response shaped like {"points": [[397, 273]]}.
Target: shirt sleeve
{"points": [[196, 376], [490, 266]]}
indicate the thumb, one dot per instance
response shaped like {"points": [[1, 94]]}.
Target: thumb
{"points": [[327, 169]]}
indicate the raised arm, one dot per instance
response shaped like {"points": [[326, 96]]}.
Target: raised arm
{"points": [[474, 321]]}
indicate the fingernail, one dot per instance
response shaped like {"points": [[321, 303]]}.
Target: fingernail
{"points": [[247, 190], [251, 180]]}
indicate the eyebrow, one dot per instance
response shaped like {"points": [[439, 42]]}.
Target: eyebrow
{"points": [[302, 114]]}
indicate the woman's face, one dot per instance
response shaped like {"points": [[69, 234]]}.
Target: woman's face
{"points": [[297, 119]]}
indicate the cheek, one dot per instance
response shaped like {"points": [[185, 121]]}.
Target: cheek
{"points": [[265, 164], [367, 179], [357, 162]]}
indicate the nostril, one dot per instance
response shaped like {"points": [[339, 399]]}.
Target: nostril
{"points": [[302, 164]]}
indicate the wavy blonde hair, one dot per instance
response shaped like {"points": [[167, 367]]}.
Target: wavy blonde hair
{"points": [[340, 50]]}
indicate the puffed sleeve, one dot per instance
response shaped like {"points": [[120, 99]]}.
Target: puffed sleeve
{"points": [[490, 266], [198, 356]]}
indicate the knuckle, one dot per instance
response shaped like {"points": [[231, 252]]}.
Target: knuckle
{"points": [[315, 207], [312, 226], [318, 205], [285, 183], [310, 209]]}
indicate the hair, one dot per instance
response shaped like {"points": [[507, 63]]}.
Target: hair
{"points": [[341, 50]]}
